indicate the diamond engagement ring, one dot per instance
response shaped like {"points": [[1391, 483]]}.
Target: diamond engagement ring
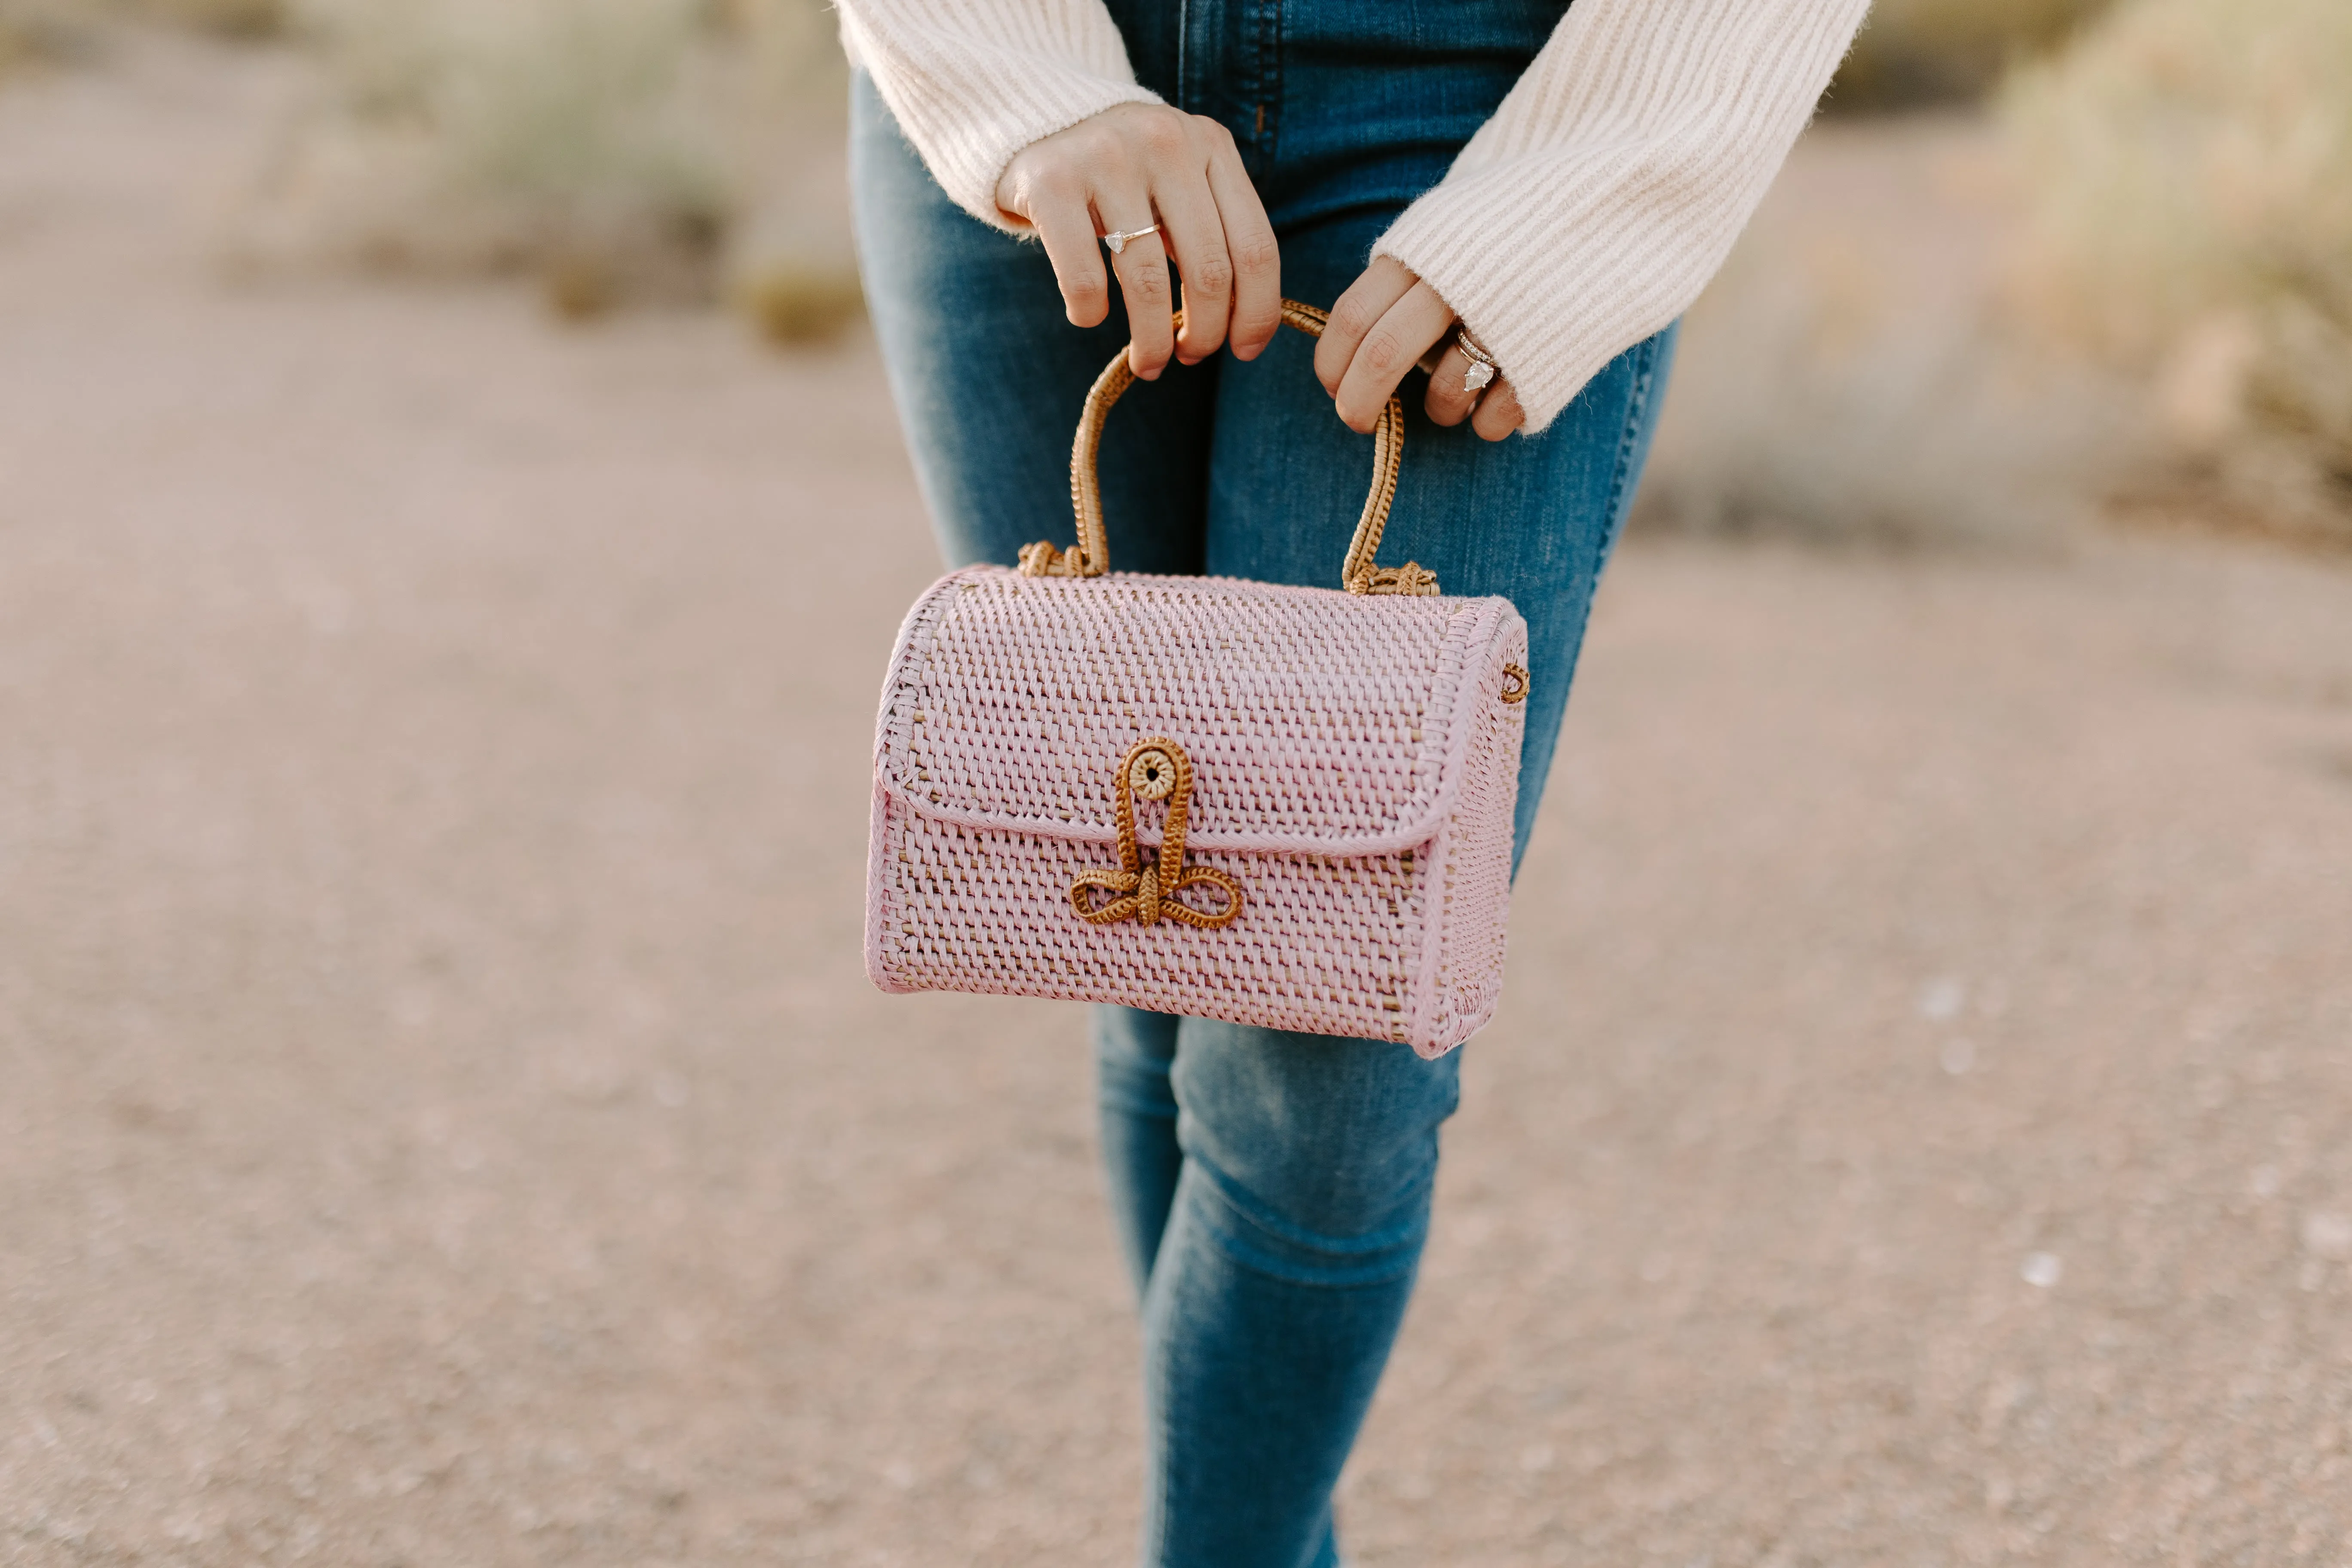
{"points": [[1116, 238], [1481, 368]]}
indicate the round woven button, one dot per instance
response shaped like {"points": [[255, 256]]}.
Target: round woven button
{"points": [[1153, 774]]}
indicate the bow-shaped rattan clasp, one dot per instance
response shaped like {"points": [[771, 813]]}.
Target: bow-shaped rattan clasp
{"points": [[1156, 769]]}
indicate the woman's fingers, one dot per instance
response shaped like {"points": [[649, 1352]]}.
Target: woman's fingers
{"points": [[1386, 322], [1196, 237], [1142, 271], [1449, 402], [1368, 299], [1498, 412], [1403, 332], [1130, 166], [1250, 245], [1221, 243], [1063, 220]]}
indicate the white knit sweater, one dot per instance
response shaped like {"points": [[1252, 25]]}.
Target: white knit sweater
{"points": [[1586, 215]]}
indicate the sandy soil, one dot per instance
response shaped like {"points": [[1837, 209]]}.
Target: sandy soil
{"points": [[445, 1122]]}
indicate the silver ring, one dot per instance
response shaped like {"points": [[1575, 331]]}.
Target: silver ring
{"points": [[1116, 238], [1482, 366]]}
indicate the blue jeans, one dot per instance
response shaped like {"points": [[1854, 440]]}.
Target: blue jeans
{"points": [[1272, 1189]]}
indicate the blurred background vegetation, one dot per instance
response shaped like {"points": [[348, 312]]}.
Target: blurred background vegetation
{"points": [[2187, 170], [1915, 54], [622, 152], [2044, 259]]}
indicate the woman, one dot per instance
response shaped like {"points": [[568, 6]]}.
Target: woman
{"points": [[1528, 193]]}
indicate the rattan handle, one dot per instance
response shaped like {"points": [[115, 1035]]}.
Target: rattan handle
{"points": [[1090, 557]]}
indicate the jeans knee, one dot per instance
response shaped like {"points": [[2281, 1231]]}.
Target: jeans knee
{"points": [[1260, 1236], [1310, 1158]]}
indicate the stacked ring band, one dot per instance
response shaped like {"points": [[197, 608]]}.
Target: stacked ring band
{"points": [[1482, 366]]}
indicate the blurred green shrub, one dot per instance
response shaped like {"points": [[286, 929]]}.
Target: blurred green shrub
{"points": [[1912, 53], [228, 18], [619, 149], [562, 135], [790, 268], [794, 302], [1805, 405], [31, 30], [21, 44], [2189, 170]]}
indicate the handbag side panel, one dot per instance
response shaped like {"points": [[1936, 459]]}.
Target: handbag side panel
{"points": [[886, 817], [882, 851], [1471, 860]]}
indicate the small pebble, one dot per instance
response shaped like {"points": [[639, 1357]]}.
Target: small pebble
{"points": [[1940, 1000], [1957, 1055], [2041, 1269], [2327, 1235]]}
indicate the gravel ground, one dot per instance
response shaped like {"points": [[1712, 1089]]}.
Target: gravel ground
{"points": [[445, 1122]]}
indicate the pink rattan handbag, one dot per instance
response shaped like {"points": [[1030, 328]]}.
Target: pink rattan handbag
{"points": [[1227, 799]]}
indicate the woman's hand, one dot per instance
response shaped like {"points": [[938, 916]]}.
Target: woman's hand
{"points": [[1124, 169], [1382, 326]]}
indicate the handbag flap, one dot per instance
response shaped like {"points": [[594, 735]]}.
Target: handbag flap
{"points": [[1317, 722]]}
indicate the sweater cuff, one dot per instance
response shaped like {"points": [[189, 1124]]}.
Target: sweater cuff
{"points": [[1526, 316], [970, 169], [970, 121]]}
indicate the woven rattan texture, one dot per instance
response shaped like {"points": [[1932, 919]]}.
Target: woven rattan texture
{"points": [[1031, 688], [1354, 768]]}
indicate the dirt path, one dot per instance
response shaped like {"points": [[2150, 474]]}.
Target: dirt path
{"points": [[445, 1122]]}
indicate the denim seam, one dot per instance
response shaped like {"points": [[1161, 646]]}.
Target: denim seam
{"points": [[1156, 1522], [1637, 405], [1269, 86], [1183, 52]]}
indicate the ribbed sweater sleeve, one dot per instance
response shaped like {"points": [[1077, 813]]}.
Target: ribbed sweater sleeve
{"points": [[1609, 187], [1586, 215], [972, 82]]}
